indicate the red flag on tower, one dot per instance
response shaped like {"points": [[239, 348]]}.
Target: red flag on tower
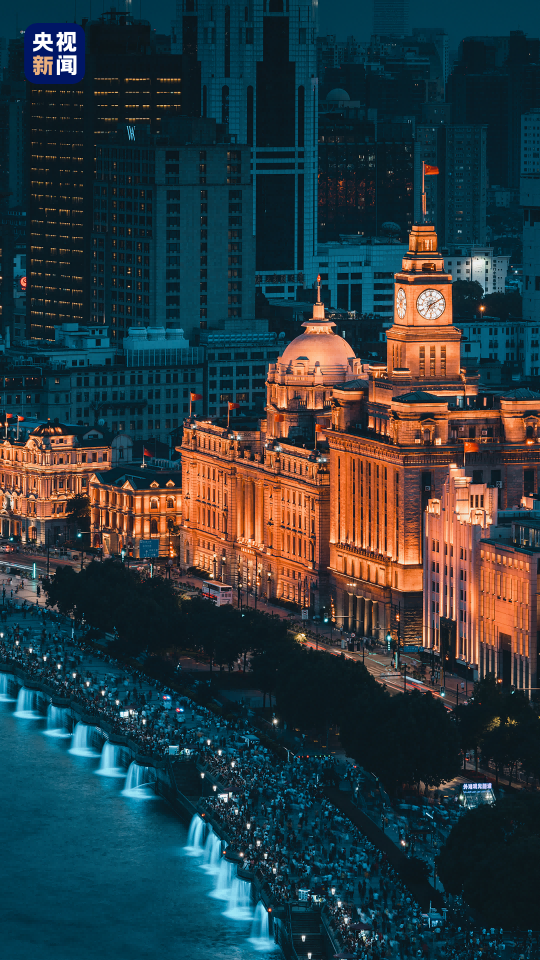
{"points": [[146, 453], [430, 170], [20, 418], [234, 406], [195, 396]]}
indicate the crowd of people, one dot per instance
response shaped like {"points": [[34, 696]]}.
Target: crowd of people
{"points": [[275, 814]]}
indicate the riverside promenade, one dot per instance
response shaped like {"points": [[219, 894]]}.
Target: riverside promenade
{"points": [[309, 865]]}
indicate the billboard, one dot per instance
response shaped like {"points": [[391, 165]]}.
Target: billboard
{"points": [[54, 53], [148, 548]]}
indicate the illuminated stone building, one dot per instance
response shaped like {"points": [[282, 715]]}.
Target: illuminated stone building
{"points": [[256, 495], [342, 525], [392, 442], [481, 582], [131, 503], [39, 476]]}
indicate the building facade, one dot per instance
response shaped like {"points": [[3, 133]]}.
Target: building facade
{"points": [[390, 450], [129, 504], [179, 249], [39, 476], [126, 81], [339, 523], [256, 496], [477, 263], [456, 199], [258, 75], [481, 582]]}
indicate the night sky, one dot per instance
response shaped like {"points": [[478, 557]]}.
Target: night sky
{"points": [[346, 17]]}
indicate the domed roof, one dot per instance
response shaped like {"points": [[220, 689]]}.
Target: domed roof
{"points": [[338, 94], [319, 350], [52, 429], [318, 347]]}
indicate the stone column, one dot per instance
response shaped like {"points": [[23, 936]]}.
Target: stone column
{"points": [[367, 618], [239, 508]]}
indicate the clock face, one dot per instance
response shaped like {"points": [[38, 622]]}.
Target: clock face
{"points": [[430, 304], [401, 303]]}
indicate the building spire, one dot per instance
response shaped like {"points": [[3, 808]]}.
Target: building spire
{"points": [[318, 307]]}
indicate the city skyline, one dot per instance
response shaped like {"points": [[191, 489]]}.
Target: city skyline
{"points": [[347, 18]]}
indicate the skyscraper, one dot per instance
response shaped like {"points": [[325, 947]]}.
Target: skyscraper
{"points": [[390, 18], [258, 75], [172, 251], [456, 199], [126, 81]]}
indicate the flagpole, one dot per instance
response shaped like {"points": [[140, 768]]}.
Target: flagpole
{"points": [[228, 415], [424, 205], [17, 428]]}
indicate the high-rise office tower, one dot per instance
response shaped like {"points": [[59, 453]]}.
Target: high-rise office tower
{"points": [[530, 201], [494, 82], [456, 199], [175, 250], [126, 81], [390, 18], [365, 174], [258, 75]]}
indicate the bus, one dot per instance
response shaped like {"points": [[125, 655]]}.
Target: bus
{"points": [[220, 593]]}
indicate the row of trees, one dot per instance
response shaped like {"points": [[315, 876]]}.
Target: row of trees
{"points": [[402, 739], [500, 726], [468, 295]]}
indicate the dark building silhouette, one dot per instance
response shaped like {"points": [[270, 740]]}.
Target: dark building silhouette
{"points": [[495, 81], [258, 75], [365, 175], [127, 82]]}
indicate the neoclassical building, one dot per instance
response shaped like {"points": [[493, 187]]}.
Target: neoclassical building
{"points": [[339, 522], [131, 503], [39, 475], [256, 495]]}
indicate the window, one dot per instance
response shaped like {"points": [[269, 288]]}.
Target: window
{"points": [[170, 503], [154, 504], [153, 527]]}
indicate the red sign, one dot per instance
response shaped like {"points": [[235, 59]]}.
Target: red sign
{"points": [[22, 282]]}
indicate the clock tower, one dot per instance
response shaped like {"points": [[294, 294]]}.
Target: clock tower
{"points": [[422, 344]]}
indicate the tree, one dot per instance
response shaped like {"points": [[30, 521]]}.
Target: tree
{"points": [[503, 305], [144, 612], [466, 297], [409, 738], [78, 511], [492, 857]]}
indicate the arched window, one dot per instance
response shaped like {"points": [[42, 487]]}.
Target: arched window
{"points": [[154, 505], [153, 527], [170, 503]]}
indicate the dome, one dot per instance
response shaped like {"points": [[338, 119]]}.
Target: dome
{"points": [[338, 94], [52, 429], [318, 350]]}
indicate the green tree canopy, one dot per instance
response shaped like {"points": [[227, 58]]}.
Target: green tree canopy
{"points": [[78, 511], [492, 857], [466, 297], [409, 738], [144, 612], [503, 305]]}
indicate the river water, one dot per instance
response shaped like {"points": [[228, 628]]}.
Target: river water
{"points": [[87, 872]]}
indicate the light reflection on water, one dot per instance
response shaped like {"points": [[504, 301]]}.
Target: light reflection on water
{"points": [[86, 872]]}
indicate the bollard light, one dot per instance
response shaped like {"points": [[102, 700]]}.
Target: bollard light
{"points": [[87, 683], [248, 826], [303, 938], [214, 788], [202, 776], [333, 891], [103, 694], [219, 753], [74, 674], [209, 742], [44, 657], [232, 763], [309, 956], [258, 843], [144, 720], [16, 643], [339, 903], [59, 666], [117, 702], [31, 650]]}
